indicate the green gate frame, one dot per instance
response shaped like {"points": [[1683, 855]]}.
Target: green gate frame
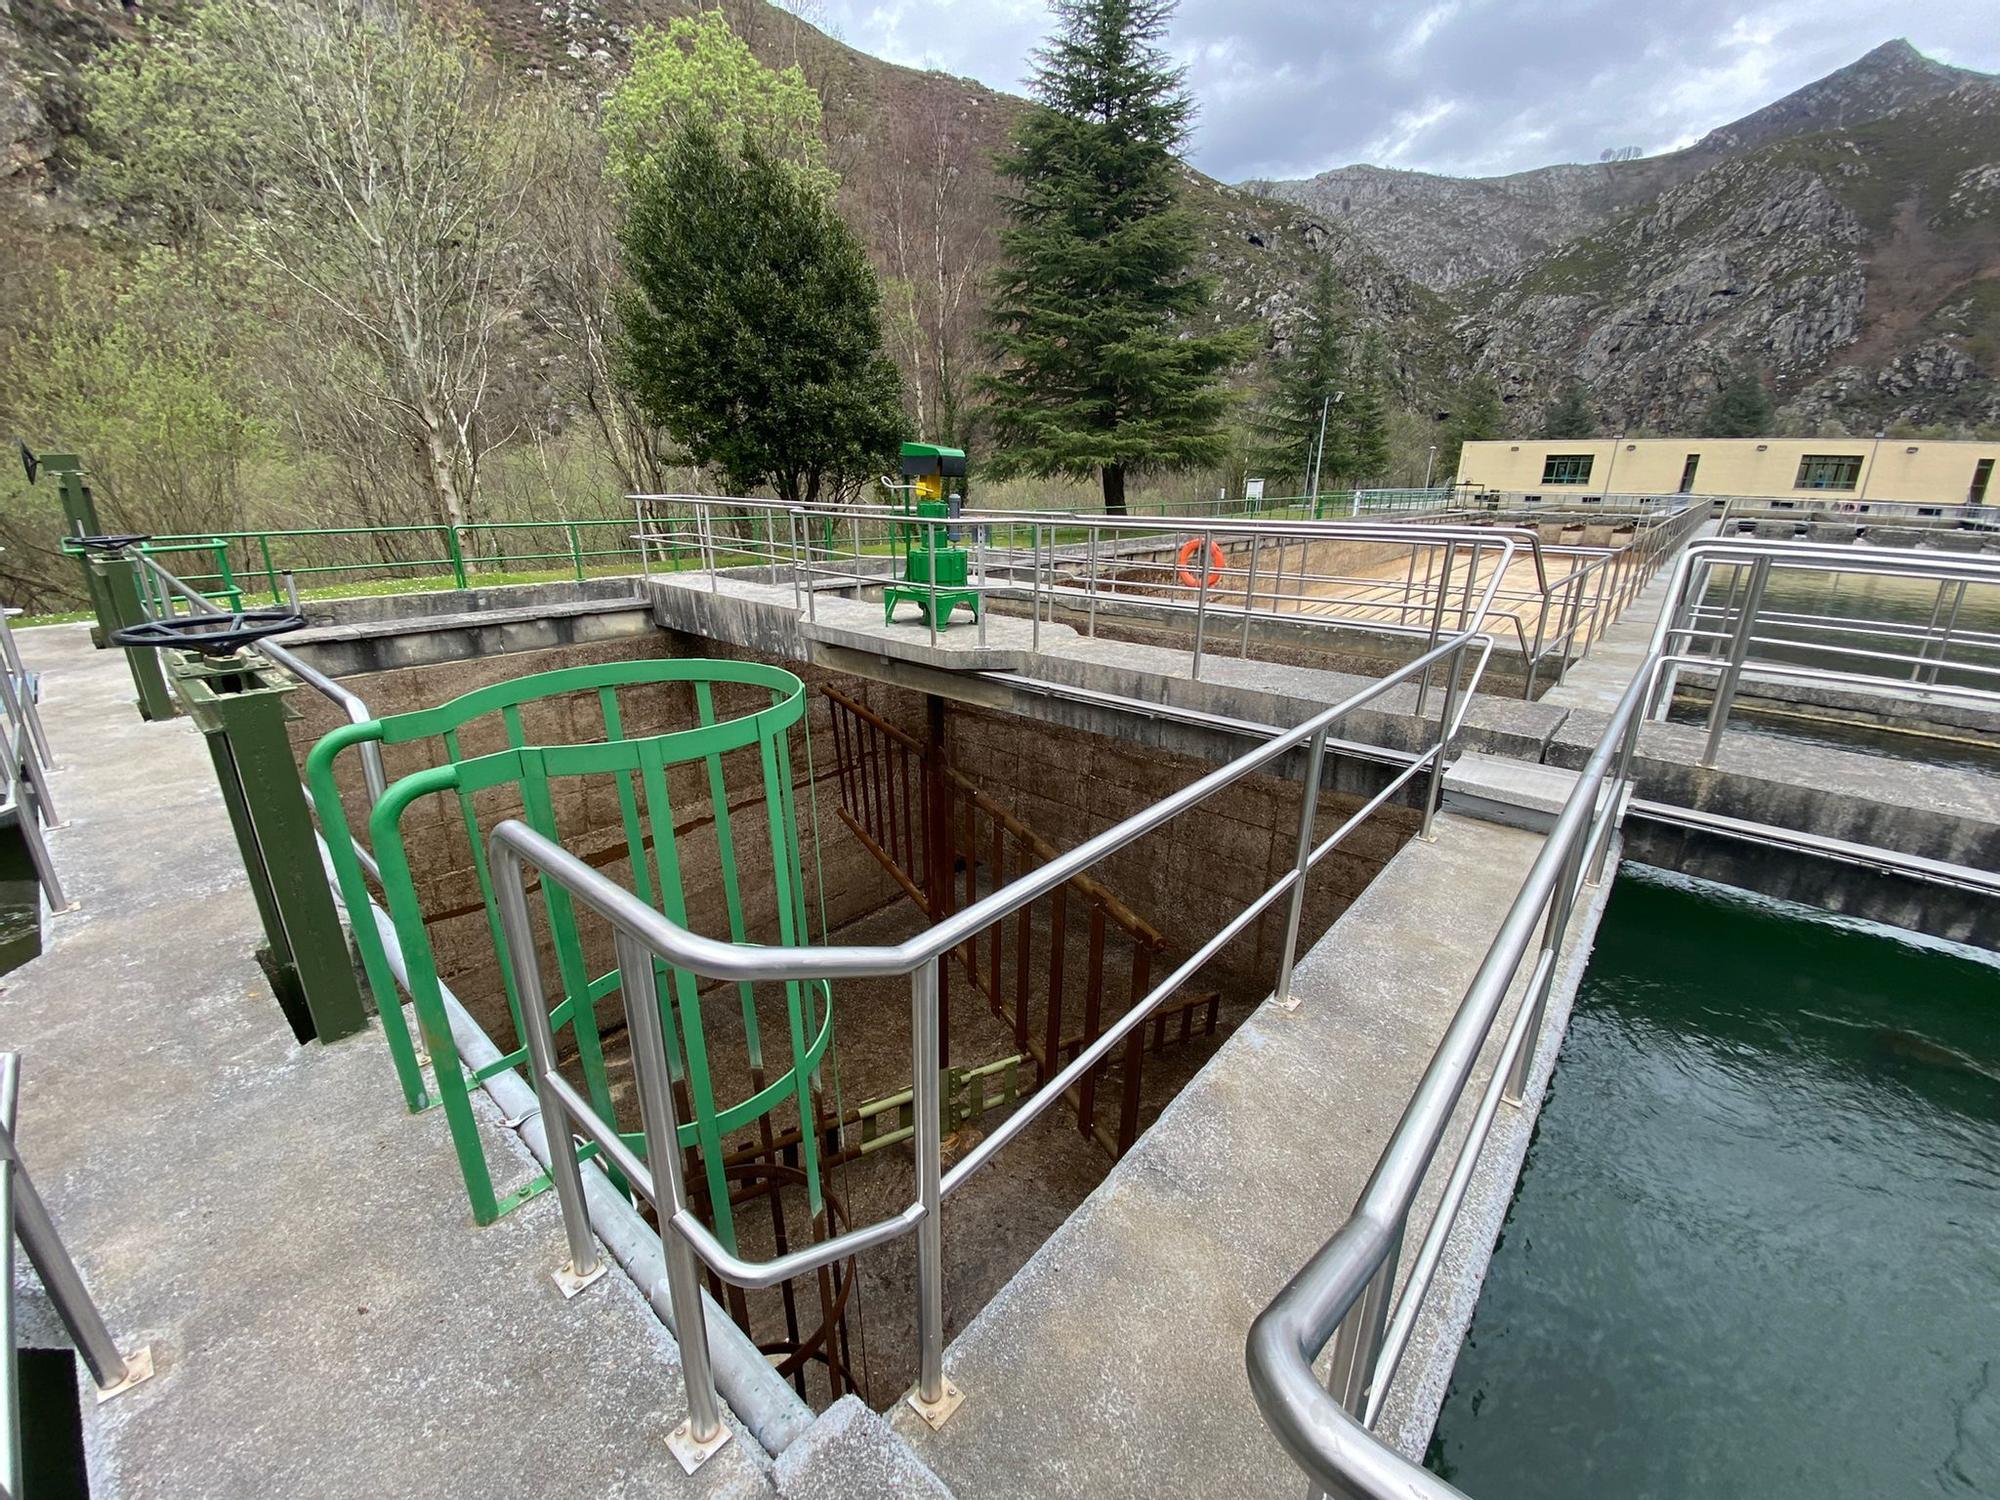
{"points": [[640, 768]]}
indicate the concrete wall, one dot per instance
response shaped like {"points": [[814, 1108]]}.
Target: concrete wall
{"points": [[1198, 872], [1929, 470]]}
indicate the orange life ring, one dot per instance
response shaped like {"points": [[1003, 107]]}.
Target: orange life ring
{"points": [[1216, 562]]}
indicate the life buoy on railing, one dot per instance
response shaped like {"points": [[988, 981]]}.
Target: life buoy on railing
{"points": [[1215, 563]]}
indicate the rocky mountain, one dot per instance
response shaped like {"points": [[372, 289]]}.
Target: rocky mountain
{"points": [[1845, 240]]}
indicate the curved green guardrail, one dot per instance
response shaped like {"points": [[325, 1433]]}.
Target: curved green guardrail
{"points": [[638, 767]]}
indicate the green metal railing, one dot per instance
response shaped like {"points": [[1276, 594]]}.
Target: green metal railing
{"points": [[245, 562], [638, 768]]}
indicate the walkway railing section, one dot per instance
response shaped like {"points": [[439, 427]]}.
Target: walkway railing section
{"points": [[25, 765], [1348, 1295], [23, 1213], [232, 566], [1224, 581], [643, 936]]}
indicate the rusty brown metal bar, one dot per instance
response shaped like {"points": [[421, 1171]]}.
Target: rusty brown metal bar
{"points": [[1135, 1056]]}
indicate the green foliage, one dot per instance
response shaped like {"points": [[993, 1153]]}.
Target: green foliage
{"points": [[699, 70], [1307, 381], [1324, 374], [1365, 426], [1741, 407], [750, 321], [1093, 307], [1476, 416], [1569, 415], [358, 154]]}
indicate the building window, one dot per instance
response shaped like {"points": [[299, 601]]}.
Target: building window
{"points": [[1824, 471], [1982, 475], [1566, 468], [1687, 473]]}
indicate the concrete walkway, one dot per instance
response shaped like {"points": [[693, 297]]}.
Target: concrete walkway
{"points": [[1600, 677], [1112, 1364], [325, 1318]]}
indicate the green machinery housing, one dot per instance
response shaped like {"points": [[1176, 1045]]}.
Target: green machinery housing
{"points": [[935, 570]]}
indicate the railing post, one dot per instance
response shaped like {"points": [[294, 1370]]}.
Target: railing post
{"points": [[1537, 999], [456, 552], [1358, 1340], [1200, 598], [934, 1398], [11, 652], [1437, 617], [1302, 855], [703, 1433], [1091, 574], [1731, 672], [1035, 586], [270, 572], [1250, 591], [27, 1216], [1434, 787]]}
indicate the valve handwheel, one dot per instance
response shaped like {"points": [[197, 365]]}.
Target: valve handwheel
{"points": [[211, 635], [117, 542]]}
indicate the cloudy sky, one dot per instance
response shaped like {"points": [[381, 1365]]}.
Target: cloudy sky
{"points": [[1471, 87]]}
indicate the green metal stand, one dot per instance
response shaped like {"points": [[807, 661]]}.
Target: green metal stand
{"points": [[116, 576], [241, 708], [79, 508]]}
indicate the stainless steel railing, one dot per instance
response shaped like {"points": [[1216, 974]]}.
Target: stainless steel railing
{"points": [[643, 936], [1718, 623], [23, 1213], [1085, 565], [1347, 1295]]}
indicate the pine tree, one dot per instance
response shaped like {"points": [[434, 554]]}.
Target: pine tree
{"points": [[1365, 434], [1569, 414], [750, 325], [1477, 417], [1308, 394], [1741, 407], [1094, 302]]}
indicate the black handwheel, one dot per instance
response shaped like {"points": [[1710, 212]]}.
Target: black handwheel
{"points": [[117, 542], [211, 635]]}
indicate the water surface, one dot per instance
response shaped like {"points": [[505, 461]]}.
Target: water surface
{"points": [[1756, 1248]]}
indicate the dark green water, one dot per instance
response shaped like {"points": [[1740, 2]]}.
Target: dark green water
{"points": [[1756, 1248]]}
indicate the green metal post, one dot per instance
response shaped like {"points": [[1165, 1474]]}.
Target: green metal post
{"points": [[241, 708], [456, 554], [270, 573], [225, 577], [80, 519], [117, 575]]}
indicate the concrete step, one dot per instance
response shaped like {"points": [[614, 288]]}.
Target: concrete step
{"points": [[1518, 793]]}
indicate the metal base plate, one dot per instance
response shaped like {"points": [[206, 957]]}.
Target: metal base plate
{"points": [[570, 1284], [691, 1454], [936, 1413], [138, 1367], [1290, 1002]]}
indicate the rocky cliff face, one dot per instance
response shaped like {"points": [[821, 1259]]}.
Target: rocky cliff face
{"points": [[42, 43], [1844, 240]]}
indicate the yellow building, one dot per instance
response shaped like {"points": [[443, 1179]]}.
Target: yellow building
{"points": [[1926, 470]]}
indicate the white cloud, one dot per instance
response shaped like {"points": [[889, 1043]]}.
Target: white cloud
{"points": [[1292, 87]]}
